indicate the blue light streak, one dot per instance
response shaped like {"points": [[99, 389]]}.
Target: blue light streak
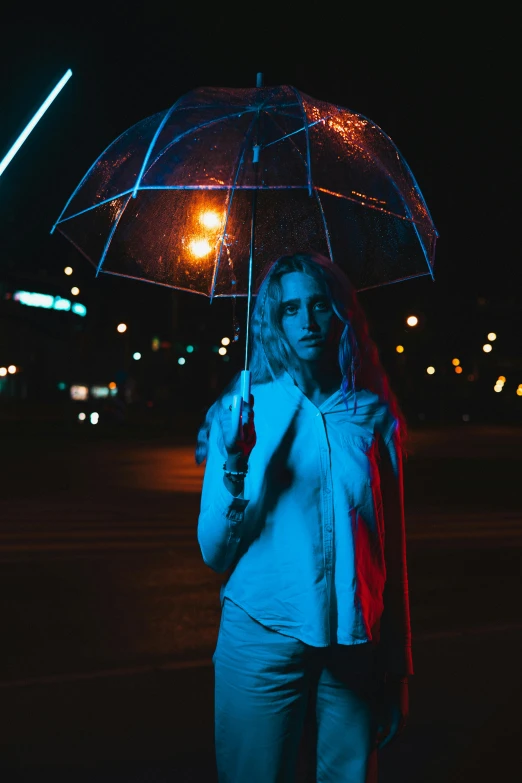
{"points": [[30, 125]]}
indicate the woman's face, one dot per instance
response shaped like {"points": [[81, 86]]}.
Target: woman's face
{"points": [[306, 315]]}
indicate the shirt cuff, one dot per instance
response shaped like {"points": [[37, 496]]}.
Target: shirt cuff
{"points": [[232, 507]]}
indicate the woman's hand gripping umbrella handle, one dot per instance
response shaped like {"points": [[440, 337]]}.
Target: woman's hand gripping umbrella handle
{"points": [[240, 437]]}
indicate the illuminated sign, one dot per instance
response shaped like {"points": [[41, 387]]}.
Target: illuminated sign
{"points": [[99, 391], [49, 302], [79, 392]]}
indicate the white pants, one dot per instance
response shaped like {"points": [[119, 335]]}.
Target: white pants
{"points": [[263, 682]]}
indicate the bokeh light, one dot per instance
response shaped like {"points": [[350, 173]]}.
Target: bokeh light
{"points": [[399, 348], [458, 370], [75, 290], [455, 362], [225, 341], [492, 336], [181, 360], [210, 219], [121, 328], [412, 320], [68, 270], [430, 370], [12, 369], [3, 371], [136, 356], [200, 248], [222, 351], [487, 348]]}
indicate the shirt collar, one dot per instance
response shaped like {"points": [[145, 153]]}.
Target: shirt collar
{"points": [[292, 387]]}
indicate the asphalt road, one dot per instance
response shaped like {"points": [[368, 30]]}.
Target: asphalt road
{"points": [[109, 616]]}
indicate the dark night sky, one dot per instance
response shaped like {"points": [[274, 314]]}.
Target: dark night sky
{"points": [[444, 89]]}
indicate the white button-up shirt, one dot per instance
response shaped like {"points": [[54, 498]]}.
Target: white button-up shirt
{"points": [[315, 547]]}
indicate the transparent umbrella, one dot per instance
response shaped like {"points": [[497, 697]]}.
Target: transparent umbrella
{"points": [[206, 194]]}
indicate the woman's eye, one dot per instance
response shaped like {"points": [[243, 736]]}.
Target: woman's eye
{"points": [[290, 310], [321, 306]]}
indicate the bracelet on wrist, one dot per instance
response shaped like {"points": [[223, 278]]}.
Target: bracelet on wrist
{"points": [[235, 476]]}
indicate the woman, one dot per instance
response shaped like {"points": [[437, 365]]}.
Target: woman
{"points": [[304, 510]]}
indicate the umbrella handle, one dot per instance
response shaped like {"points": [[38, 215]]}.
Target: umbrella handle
{"points": [[245, 395]]}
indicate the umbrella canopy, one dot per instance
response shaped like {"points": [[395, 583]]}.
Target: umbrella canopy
{"points": [[171, 200]]}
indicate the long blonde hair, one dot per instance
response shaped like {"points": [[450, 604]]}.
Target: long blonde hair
{"points": [[358, 355]]}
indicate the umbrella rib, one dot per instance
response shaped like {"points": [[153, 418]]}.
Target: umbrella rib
{"points": [[224, 296], [151, 145], [308, 159], [406, 166], [154, 282], [327, 233], [84, 178], [373, 206], [252, 187], [111, 234], [287, 136], [232, 190], [380, 165], [194, 128]]}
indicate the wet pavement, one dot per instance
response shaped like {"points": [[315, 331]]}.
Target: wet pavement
{"points": [[109, 616]]}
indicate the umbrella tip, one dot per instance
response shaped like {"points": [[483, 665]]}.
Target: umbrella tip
{"points": [[259, 80]]}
